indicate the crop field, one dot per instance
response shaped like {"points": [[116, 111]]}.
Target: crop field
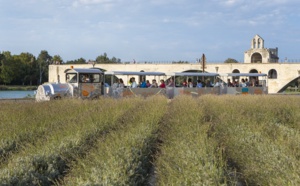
{"points": [[209, 140]]}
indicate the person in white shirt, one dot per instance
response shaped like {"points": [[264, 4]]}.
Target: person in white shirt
{"points": [[217, 84], [133, 83]]}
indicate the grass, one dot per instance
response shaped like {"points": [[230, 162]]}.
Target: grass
{"points": [[46, 161], [123, 156], [251, 131], [210, 140], [188, 156]]}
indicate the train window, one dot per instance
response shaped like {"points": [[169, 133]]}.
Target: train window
{"points": [[95, 78], [89, 78], [71, 78]]}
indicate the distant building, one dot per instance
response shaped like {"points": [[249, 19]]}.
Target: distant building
{"points": [[259, 54]]}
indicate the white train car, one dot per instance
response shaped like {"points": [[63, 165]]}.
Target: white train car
{"points": [[80, 83]]}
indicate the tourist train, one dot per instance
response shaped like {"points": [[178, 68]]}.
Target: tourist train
{"points": [[93, 83]]}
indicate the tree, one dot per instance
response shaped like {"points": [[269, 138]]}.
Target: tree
{"points": [[27, 68], [230, 60], [9, 68], [179, 62], [102, 58], [44, 60], [77, 61], [57, 60]]}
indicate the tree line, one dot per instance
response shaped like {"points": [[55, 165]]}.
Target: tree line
{"points": [[27, 69]]}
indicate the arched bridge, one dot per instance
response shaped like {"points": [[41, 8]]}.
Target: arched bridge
{"points": [[280, 74]]}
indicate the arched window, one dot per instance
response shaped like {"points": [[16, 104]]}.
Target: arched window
{"points": [[258, 43], [272, 74], [254, 43], [256, 58], [253, 79], [235, 78], [142, 77], [253, 71]]}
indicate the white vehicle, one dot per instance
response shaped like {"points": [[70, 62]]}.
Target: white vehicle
{"points": [[80, 83]]}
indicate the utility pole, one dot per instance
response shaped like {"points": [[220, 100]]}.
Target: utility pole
{"points": [[203, 65]]}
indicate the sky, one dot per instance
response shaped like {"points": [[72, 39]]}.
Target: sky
{"points": [[149, 30]]}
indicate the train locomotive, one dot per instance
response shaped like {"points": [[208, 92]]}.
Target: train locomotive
{"points": [[80, 83]]}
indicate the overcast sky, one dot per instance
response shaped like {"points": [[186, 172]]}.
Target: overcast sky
{"points": [[149, 30]]}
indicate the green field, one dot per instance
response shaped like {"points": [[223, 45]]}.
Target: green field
{"points": [[210, 140]]}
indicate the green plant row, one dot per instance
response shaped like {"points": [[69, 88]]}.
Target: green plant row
{"points": [[123, 157], [46, 161], [28, 123], [188, 156], [258, 138]]}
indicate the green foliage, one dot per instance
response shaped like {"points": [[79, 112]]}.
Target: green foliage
{"points": [[26, 69], [230, 60], [104, 59], [77, 61], [180, 62], [56, 60]]}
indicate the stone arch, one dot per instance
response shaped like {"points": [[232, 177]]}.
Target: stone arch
{"points": [[256, 58], [253, 79], [294, 83], [272, 74], [141, 77], [253, 71], [235, 78]]}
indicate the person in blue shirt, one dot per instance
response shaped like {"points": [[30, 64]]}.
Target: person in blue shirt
{"points": [[199, 84]]}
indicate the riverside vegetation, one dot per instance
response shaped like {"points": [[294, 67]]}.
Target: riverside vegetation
{"points": [[210, 140]]}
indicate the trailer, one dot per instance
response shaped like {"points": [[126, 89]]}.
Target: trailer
{"points": [[244, 83]]}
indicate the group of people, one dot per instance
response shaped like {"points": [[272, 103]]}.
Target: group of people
{"points": [[117, 87], [243, 83], [199, 83], [170, 83], [146, 83]]}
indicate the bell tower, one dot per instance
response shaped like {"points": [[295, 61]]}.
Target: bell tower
{"points": [[257, 42], [259, 54]]}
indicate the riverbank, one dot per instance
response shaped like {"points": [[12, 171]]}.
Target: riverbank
{"points": [[17, 87], [17, 100]]}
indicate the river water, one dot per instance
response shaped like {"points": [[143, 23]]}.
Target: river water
{"points": [[8, 94]]}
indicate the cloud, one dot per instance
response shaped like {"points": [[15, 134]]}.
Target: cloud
{"points": [[105, 4]]}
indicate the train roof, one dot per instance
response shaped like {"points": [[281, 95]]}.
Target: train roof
{"points": [[85, 70], [134, 73], [191, 74], [243, 74]]}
